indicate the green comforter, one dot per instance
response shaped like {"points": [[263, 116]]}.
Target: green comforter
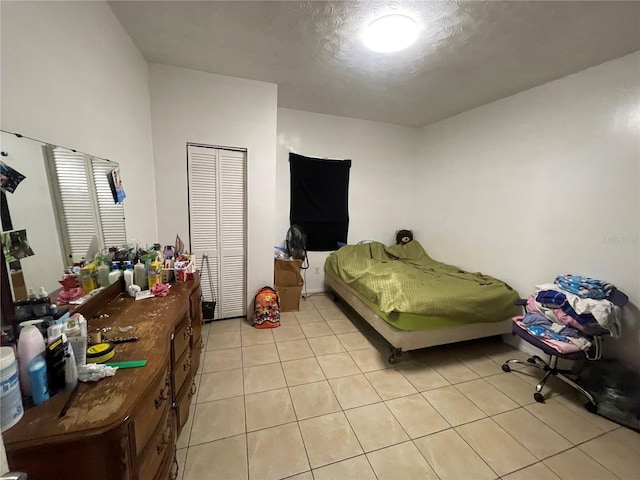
{"points": [[403, 278]]}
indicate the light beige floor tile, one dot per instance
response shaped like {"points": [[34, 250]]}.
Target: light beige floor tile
{"points": [[370, 360], [294, 350], [316, 329], [486, 397], [564, 421], [220, 459], [627, 437], [356, 468], [422, 376], [416, 415], [219, 341], [575, 403], [452, 458], [308, 317], [263, 377], [512, 386], [375, 427], [268, 409], [326, 345], [507, 352], [390, 384], [286, 333], [313, 399], [302, 476], [306, 305], [402, 461], [181, 458], [453, 370], [480, 364], [222, 326], [276, 452], [496, 447], [259, 355], [337, 365], [305, 370], [354, 341], [576, 465], [216, 420], [322, 301], [354, 391], [537, 471], [329, 439], [453, 406], [219, 360], [342, 326], [226, 384], [616, 457], [332, 314], [534, 434], [287, 318], [256, 336]]}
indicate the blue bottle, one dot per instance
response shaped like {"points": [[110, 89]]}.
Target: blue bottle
{"points": [[38, 380]]}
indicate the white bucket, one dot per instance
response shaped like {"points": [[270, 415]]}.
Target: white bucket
{"points": [[11, 410]]}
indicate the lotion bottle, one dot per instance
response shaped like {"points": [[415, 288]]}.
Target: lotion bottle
{"points": [[103, 274], [140, 275], [115, 273], [128, 276]]}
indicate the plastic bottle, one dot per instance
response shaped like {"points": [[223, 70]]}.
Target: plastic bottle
{"points": [[31, 294], [155, 273], [103, 274], [30, 345], [42, 293], [128, 276], [38, 380], [70, 371], [140, 275], [115, 273], [87, 278], [11, 410]]}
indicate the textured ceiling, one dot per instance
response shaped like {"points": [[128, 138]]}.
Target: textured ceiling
{"points": [[468, 53]]}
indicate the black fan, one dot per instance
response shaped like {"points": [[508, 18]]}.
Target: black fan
{"points": [[296, 244]]}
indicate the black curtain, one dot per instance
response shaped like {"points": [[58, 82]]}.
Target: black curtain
{"points": [[320, 200]]}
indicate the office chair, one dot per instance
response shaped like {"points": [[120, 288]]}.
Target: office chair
{"points": [[594, 335]]}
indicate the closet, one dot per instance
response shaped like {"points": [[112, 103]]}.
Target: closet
{"points": [[217, 224]]}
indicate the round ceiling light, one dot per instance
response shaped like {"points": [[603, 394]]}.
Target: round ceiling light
{"points": [[390, 33]]}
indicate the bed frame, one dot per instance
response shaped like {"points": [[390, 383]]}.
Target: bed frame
{"points": [[405, 340]]}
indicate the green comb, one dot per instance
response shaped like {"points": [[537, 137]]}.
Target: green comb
{"points": [[131, 364]]}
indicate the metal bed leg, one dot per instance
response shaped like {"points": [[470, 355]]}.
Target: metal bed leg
{"points": [[395, 354]]}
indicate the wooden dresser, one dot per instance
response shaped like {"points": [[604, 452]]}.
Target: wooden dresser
{"points": [[125, 426]]}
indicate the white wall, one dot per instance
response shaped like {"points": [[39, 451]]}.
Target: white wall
{"points": [[192, 106], [383, 157], [71, 76], [542, 183]]}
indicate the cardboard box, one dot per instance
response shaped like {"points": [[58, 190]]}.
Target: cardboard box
{"points": [[289, 298], [286, 273]]}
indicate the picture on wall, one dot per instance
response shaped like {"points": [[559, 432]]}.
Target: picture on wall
{"points": [[16, 245], [115, 181], [9, 178]]}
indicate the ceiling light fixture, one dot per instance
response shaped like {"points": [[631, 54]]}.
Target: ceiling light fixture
{"points": [[390, 33]]}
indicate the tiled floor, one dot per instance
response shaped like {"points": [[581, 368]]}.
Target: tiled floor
{"points": [[316, 399]]}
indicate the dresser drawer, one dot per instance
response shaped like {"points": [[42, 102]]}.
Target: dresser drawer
{"points": [[183, 404], [151, 410], [160, 446], [182, 370], [181, 338]]}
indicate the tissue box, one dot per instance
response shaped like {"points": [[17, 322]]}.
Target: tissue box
{"points": [[184, 270]]}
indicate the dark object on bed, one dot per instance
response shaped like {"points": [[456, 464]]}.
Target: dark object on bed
{"points": [[403, 237], [550, 367], [320, 200]]}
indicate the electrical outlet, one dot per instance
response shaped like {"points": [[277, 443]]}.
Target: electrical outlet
{"points": [[317, 271]]}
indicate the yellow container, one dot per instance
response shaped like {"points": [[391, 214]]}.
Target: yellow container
{"points": [[88, 276], [155, 273]]}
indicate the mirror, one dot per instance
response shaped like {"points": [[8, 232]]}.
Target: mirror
{"points": [[59, 206]]}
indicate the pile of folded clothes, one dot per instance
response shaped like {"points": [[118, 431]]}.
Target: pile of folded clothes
{"points": [[565, 313]]}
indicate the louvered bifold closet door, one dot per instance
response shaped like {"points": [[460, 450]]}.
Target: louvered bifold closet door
{"points": [[232, 232], [202, 166], [112, 221], [76, 210]]}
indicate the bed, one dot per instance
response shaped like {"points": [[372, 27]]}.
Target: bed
{"points": [[413, 301]]}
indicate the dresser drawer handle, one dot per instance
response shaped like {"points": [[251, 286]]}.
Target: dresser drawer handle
{"points": [[188, 332], [187, 363], [166, 436], [201, 343], [164, 394], [193, 390], [175, 469]]}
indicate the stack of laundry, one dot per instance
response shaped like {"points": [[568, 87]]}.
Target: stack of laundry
{"points": [[564, 313]]}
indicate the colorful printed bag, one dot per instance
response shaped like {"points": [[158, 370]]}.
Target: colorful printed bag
{"points": [[266, 310]]}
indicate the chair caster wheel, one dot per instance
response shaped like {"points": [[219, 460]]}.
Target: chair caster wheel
{"points": [[538, 397], [392, 359], [591, 407], [531, 360], [506, 368]]}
